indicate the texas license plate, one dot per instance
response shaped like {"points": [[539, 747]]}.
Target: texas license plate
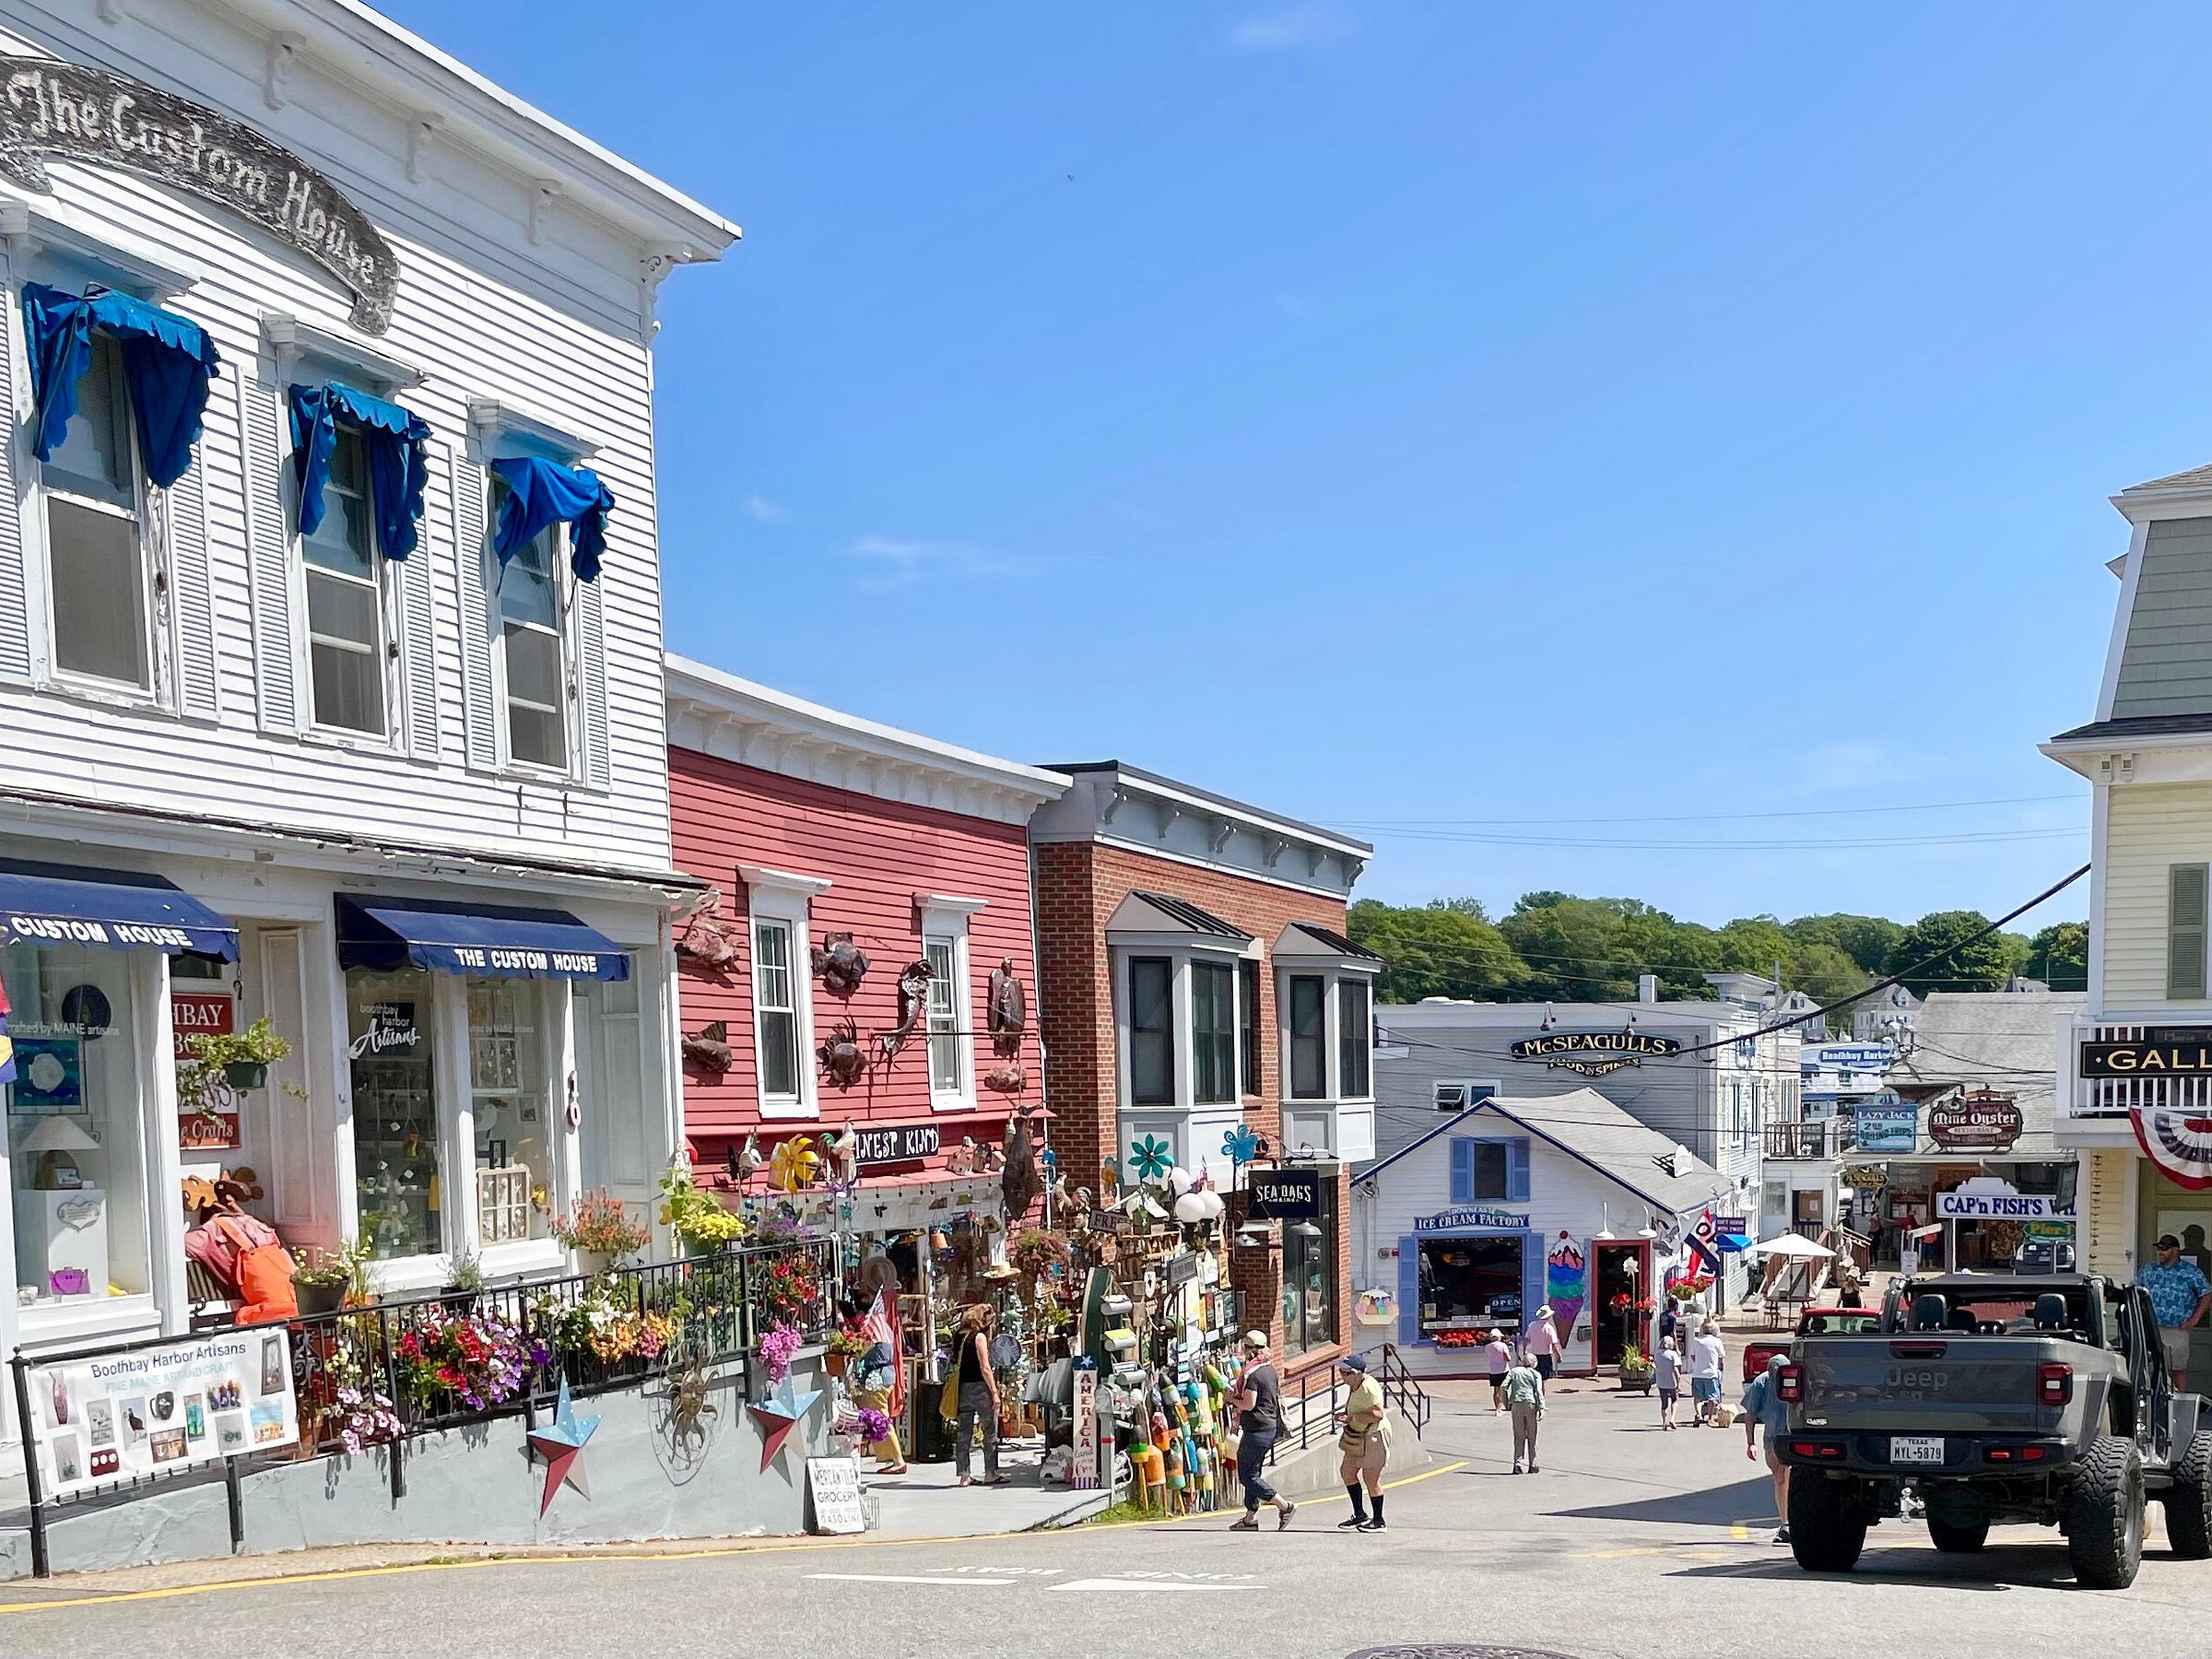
{"points": [[1916, 1448]]}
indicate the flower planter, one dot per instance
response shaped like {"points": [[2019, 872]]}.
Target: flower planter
{"points": [[319, 1298], [1636, 1382], [592, 1262], [246, 1074], [834, 1364]]}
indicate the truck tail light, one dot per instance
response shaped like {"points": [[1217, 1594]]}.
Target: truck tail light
{"points": [[1830, 1451], [2053, 1383], [1791, 1383]]}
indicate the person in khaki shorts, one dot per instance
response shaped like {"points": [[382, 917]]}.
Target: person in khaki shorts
{"points": [[1365, 1443], [2180, 1296]]}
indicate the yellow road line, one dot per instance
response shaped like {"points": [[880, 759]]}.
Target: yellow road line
{"points": [[1739, 1532], [340, 1574]]}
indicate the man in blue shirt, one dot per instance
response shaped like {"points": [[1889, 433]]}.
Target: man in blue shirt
{"points": [[2179, 1295], [1763, 1404]]}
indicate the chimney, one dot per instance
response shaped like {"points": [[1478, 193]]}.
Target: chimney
{"points": [[1647, 987]]}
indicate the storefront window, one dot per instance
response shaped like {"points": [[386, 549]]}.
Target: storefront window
{"points": [[1309, 1278], [398, 1163], [77, 1152], [510, 1107], [1471, 1283]]}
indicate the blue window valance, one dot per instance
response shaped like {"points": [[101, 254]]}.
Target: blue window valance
{"points": [[394, 439], [168, 361], [541, 494]]}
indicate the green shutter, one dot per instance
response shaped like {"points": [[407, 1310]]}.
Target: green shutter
{"points": [[2186, 887]]}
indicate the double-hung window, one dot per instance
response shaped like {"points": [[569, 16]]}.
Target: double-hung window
{"points": [[1152, 1031], [533, 648], [948, 1067], [97, 568], [346, 646], [1308, 1038], [1354, 1039], [1213, 1032], [1248, 1023], [776, 1013]]}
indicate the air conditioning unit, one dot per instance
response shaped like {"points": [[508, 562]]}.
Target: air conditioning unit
{"points": [[1452, 1097]]}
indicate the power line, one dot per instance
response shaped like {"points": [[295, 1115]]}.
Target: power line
{"points": [[1828, 844], [1711, 817]]}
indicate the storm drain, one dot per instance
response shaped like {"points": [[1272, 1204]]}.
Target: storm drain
{"points": [[1453, 1650]]}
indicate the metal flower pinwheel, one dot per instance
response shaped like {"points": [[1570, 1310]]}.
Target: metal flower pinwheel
{"points": [[794, 1164], [1240, 1145], [1151, 1158]]}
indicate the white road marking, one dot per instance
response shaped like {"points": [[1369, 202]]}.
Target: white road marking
{"points": [[1143, 1584], [906, 1577]]}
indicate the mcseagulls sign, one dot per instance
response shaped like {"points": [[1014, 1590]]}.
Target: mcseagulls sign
{"points": [[1594, 1053], [54, 109]]}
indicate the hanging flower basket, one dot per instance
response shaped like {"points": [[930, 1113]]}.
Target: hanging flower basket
{"points": [[245, 1074]]}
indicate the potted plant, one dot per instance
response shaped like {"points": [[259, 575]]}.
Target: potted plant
{"points": [[464, 1281], [697, 1219], [601, 1232], [243, 1057], [320, 1277], [471, 1361], [1636, 1369], [843, 1348]]}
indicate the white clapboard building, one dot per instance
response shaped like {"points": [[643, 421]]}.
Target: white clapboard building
{"points": [[396, 781]]}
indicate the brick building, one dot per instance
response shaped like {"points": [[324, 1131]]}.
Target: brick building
{"points": [[812, 825], [1193, 979]]}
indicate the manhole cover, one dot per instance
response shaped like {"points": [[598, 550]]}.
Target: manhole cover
{"points": [[1453, 1650]]}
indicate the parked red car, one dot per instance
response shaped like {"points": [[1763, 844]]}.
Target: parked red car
{"points": [[1816, 1321]]}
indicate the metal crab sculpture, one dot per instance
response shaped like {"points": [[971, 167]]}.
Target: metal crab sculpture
{"points": [[840, 964], [844, 1060]]}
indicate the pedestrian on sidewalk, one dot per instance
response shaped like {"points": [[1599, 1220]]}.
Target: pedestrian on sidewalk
{"points": [[1365, 1443], [1259, 1403], [1667, 1373], [1544, 1342], [1763, 1406], [2180, 1296], [875, 1375], [1708, 1359], [1501, 1360], [1524, 1399], [978, 1396]]}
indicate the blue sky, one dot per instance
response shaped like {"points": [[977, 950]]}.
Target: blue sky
{"points": [[1434, 417]]}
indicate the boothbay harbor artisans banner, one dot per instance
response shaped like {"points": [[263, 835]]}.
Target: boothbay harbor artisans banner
{"points": [[156, 1410], [79, 115]]}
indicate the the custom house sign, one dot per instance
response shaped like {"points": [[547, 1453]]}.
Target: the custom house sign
{"points": [[2162, 1051], [49, 107], [1594, 1053]]}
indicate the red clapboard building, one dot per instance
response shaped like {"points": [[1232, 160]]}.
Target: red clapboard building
{"points": [[843, 854]]}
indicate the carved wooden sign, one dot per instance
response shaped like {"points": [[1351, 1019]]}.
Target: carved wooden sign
{"points": [[56, 108]]}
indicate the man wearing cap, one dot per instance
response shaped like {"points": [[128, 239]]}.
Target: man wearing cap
{"points": [[1365, 1443], [1259, 1402], [1764, 1407], [2179, 1295]]}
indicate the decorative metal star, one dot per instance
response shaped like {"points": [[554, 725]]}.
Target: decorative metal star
{"points": [[561, 1446], [778, 1414]]}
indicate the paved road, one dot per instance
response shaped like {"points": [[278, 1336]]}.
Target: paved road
{"points": [[1629, 1543]]}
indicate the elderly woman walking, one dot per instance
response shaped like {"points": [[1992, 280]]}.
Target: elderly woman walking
{"points": [[1525, 1400], [1365, 1443]]}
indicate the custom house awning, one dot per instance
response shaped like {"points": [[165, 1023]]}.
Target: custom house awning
{"points": [[494, 940], [124, 910]]}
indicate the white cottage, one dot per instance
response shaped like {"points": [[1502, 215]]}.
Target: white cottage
{"points": [[330, 648], [1513, 1204]]}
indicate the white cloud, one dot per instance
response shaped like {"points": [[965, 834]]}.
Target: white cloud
{"points": [[766, 511], [1293, 27], [897, 561]]}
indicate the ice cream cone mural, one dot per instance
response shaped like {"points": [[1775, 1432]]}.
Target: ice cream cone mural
{"points": [[1565, 1284]]}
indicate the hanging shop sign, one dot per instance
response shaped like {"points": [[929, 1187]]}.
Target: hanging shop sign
{"points": [[81, 114], [2162, 1051], [1285, 1194], [1594, 1053], [157, 1410], [1963, 1204], [1458, 1221], [1183, 1270], [1887, 1125], [1980, 1122], [1866, 1178], [897, 1143], [208, 1123]]}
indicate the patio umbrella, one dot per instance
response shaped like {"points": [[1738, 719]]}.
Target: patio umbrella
{"points": [[1790, 1244]]}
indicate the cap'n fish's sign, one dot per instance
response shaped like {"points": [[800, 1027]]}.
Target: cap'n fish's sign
{"points": [[49, 107], [1594, 1053]]}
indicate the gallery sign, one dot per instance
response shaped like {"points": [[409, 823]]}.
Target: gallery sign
{"points": [[156, 1410], [1594, 1053], [1285, 1194], [52, 108], [1980, 1122], [2162, 1052]]}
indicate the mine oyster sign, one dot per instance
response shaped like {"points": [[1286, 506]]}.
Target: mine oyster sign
{"points": [[80, 114], [1593, 1053]]}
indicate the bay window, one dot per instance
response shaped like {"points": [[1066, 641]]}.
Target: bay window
{"points": [[1248, 1023], [1152, 1031], [1308, 1038], [1213, 1032], [1354, 1039]]}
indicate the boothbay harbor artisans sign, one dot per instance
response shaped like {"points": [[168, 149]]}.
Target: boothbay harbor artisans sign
{"points": [[1594, 1053], [80, 114]]}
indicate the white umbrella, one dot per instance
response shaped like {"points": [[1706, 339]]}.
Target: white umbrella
{"points": [[1790, 1244]]}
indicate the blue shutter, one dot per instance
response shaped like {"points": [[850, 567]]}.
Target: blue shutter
{"points": [[1463, 1170], [1532, 1281], [1516, 1170], [1409, 1289]]}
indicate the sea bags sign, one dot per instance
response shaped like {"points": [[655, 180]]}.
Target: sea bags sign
{"points": [[55, 109], [156, 1410], [1594, 1053]]}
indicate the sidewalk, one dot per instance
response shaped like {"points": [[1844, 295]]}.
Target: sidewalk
{"points": [[926, 1501]]}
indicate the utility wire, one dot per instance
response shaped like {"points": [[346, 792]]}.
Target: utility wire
{"points": [[1701, 818]]}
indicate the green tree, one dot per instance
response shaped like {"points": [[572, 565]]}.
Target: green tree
{"points": [[1823, 973], [1984, 965], [1866, 940], [1447, 947], [2059, 956], [1754, 944]]}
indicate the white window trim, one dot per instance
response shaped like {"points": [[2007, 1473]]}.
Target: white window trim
{"points": [[1329, 971], [1495, 1084], [389, 647], [946, 917], [1180, 950], [779, 896], [564, 608]]}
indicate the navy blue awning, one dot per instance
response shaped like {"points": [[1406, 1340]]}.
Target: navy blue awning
{"points": [[65, 904], [490, 939]]}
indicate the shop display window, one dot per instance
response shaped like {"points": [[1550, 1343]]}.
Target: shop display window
{"points": [[76, 1116], [510, 1108], [1309, 1278], [1470, 1283], [397, 1147]]}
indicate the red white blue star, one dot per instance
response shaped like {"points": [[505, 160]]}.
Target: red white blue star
{"points": [[560, 1445]]}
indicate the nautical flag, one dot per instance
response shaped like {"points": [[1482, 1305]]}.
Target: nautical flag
{"points": [[1702, 1239]]}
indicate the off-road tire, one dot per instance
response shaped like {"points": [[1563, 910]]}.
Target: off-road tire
{"points": [[1958, 1540], [1828, 1530], [2189, 1502], [2105, 1514]]}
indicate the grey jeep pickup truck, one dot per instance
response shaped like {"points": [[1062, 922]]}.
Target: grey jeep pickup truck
{"points": [[1984, 1399]]}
